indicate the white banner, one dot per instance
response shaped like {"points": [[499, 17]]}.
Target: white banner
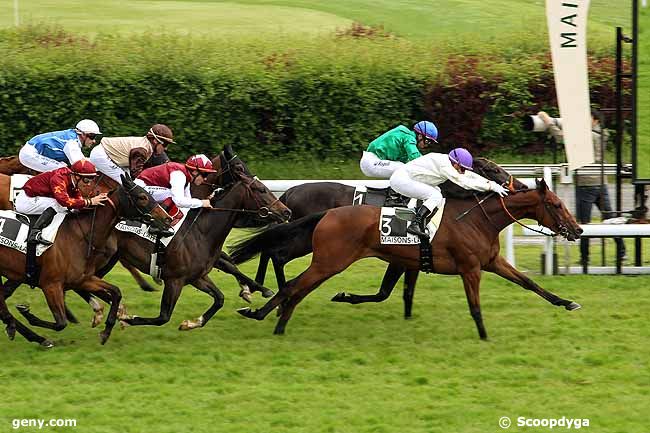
{"points": [[567, 28]]}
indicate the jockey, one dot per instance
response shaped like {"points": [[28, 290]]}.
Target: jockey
{"points": [[394, 148], [58, 149], [52, 192], [115, 156], [421, 178], [169, 184]]}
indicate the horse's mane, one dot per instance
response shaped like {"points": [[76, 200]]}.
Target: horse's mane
{"points": [[483, 167]]}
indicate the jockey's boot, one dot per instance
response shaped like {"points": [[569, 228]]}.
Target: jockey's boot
{"points": [[35, 232], [33, 239], [418, 226]]}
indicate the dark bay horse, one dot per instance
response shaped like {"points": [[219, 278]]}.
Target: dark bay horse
{"points": [[462, 247], [69, 263], [11, 165], [310, 198], [193, 252]]}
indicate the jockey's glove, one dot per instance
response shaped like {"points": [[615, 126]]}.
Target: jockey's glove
{"points": [[495, 187]]}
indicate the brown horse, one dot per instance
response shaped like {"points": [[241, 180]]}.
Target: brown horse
{"points": [[11, 165], [70, 262], [464, 246], [192, 254]]}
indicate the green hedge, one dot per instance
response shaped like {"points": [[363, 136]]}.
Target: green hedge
{"points": [[325, 98]]}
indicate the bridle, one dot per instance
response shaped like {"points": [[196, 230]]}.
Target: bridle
{"points": [[564, 230], [262, 211]]}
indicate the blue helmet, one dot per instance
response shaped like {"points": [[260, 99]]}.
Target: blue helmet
{"points": [[462, 157], [428, 129]]}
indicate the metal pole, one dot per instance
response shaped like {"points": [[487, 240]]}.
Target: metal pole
{"points": [[16, 15], [510, 249], [619, 119], [548, 247]]}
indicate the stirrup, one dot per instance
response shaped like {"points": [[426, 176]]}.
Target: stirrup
{"points": [[417, 230], [38, 239]]}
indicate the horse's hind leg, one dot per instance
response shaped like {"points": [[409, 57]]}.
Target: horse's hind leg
{"points": [[248, 286], [410, 279], [391, 277], [261, 268], [56, 301], [207, 286], [144, 285], [472, 282], [7, 318], [501, 267]]}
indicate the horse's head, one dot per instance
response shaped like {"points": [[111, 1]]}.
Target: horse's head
{"points": [[553, 214], [493, 171], [233, 177], [136, 203]]}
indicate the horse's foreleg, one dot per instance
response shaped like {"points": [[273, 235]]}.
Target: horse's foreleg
{"points": [[472, 282], [410, 279], [391, 277], [56, 301], [171, 293], [206, 286], [248, 285], [99, 287], [501, 267], [7, 318], [98, 308], [278, 268]]}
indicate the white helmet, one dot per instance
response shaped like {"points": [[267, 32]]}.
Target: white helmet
{"points": [[87, 126]]}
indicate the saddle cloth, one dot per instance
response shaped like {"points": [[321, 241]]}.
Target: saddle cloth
{"points": [[14, 229], [16, 185], [394, 221], [142, 229]]}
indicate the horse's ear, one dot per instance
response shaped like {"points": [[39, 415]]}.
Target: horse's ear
{"points": [[542, 186], [228, 152]]}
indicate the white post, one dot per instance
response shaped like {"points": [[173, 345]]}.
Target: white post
{"points": [[644, 3], [16, 16], [510, 247], [548, 247]]}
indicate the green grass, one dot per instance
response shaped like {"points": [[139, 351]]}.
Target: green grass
{"points": [[343, 368], [643, 95], [500, 22]]}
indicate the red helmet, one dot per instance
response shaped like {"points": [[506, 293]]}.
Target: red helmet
{"points": [[201, 163], [84, 167]]}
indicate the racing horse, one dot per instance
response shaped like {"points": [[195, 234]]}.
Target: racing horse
{"points": [[196, 247], [69, 262], [466, 243], [11, 165], [310, 198]]}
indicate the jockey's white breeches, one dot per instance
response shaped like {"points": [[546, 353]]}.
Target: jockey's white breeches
{"points": [[30, 158], [104, 164], [401, 182], [159, 193], [372, 166], [36, 205]]}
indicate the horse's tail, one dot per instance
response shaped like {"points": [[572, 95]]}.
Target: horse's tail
{"points": [[274, 237]]}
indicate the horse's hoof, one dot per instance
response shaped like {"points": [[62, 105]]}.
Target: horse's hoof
{"points": [[97, 319], [188, 325], [573, 306], [23, 308], [11, 331], [46, 344], [245, 295], [104, 336], [121, 312], [339, 297], [124, 323], [267, 293], [246, 312]]}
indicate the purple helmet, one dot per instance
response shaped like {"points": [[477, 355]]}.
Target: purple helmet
{"points": [[461, 157], [428, 129]]}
